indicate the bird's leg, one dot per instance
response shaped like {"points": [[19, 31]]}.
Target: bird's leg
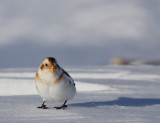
{"points": [[63, 106], [43, 106]]}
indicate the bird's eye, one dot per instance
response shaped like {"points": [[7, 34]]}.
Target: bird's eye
{"points": [[46, 65]]}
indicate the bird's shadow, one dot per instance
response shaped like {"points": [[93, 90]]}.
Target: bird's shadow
{"points": [[121, 101]]}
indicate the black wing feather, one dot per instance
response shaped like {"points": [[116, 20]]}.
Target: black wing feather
{"points": [[68, 75]]}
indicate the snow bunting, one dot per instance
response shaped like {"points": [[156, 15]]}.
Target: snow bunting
{"points": [[53, 83]]}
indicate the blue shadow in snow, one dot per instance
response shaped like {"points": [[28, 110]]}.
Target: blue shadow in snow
{"points": [[122, 101]]}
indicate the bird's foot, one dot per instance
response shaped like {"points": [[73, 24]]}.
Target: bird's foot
{"points": [[61, 107], [43, 107]]}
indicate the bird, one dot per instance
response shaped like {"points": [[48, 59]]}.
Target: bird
{"points": [[53, 83]]}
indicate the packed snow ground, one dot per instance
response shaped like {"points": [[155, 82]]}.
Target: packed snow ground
{"points": [[109, 94]]}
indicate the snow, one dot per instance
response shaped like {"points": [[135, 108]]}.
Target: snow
{"points": [[112, 94]]}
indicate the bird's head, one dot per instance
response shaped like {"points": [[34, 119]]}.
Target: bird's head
{"points": [[49, 64]]}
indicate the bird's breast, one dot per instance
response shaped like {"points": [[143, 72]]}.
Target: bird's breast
{"points": [[51, 81]]}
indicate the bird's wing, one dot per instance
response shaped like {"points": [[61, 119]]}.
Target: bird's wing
{"points": [[68, 76]]}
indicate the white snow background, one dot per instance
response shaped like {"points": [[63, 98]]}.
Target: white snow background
{"points": [[106, 94], [81, 33]]}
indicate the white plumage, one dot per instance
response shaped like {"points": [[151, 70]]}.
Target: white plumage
{"points": [[53, 83]]}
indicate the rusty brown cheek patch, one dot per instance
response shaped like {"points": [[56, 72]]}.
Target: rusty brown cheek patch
{"points": [[49, 83], [42, 67]]}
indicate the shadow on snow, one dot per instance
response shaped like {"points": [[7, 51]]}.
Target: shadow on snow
{"points": [[122, 101]]}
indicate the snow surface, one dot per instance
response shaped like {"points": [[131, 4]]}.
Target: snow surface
{"points": [[106, 94]]}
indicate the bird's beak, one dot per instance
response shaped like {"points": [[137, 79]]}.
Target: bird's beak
{"points": [[52, 68]]}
